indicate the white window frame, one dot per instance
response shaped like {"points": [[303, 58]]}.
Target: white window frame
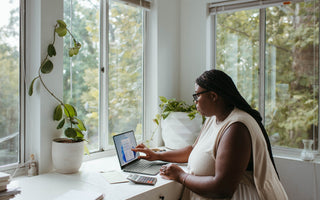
{"points": [[12, 168], [105, 149], [224, 6]]}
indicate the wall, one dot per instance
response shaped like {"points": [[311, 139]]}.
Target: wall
{"points": [[193, 45], [300, 179], [41, 17], [163, 59]]}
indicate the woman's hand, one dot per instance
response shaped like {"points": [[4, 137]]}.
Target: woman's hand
{"points": [[150, 155], [172, 172]]}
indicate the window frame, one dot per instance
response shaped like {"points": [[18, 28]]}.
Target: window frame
{"points": [[104, 148], [22, 94], [222, 7]]}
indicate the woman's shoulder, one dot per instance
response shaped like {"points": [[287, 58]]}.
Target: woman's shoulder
{"points": [[238, 115]]}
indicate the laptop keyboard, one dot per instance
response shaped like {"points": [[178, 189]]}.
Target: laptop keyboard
{"points": [[144, 166]]}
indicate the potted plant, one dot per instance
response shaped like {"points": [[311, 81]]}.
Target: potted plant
{"points": [[65, 114], [180, 123]]}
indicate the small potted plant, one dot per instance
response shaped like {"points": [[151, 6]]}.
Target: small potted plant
{"points": [[180, 123], [66, 114]]}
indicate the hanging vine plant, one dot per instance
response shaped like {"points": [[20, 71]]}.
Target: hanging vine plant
{"points": [[63, 113]]}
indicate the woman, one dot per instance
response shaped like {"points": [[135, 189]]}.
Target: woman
{"points": [[232, 156]]}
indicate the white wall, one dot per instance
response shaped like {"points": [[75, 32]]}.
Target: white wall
{"points": [[163, 59], [41, 17], [300, 179], [193, 45], [168, 47]]}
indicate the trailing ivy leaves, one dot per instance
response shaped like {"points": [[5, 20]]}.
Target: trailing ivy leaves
{"points": [[57, 114], [30, 92], [64, 113], [47, 67], [61, 30], [51, 50], [75, 49]]}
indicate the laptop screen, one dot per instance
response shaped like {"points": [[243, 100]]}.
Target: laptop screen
{"points": [[124, 142]]}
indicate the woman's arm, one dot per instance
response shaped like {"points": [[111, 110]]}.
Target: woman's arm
{"points": [[232, 159], [177, 156]]}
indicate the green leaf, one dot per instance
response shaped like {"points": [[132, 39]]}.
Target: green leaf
{"points": [[51, 50], [61, 124], [47, 67], [31, 86], [81, 125], [86, 150], [165, 114], [61, 31], [57, 114], [71, 52], [79, 133], [70, 133], [75, 51], [192, 115], [156, 121], [163, 99], [69, 111], [61, 23], [73, 121]]}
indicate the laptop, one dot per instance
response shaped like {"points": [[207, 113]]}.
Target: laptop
{"points": [[129, 160]]}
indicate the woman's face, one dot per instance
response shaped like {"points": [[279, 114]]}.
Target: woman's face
{"points": [[204, 103]]}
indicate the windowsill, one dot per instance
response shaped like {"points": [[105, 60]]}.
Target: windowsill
{"points": [[292, 154], [51, 185]]}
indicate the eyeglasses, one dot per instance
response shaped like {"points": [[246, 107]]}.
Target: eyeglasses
{"points": [[196, 95]]}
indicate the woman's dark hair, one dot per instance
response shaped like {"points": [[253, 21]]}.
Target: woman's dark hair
{"points": [[222, 84]]}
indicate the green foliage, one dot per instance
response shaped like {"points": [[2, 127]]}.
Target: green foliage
{"points": [[172, 105], [9, 87], [63, 112], [291, 67]]}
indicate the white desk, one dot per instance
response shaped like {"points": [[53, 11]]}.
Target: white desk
{"points": [[51, 185]]}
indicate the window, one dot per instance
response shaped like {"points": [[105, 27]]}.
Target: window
{"points": [[271, 50], [105, 80], [10, 124]]}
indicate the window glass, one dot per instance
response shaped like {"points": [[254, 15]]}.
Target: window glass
{"points": [[81, 72], [9, 78], [238, 51], [292, 54], [125, 102], [124, 98], [291, 66]]}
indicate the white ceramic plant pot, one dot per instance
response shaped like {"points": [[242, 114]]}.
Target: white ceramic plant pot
{"points": [[179, 131], [67, 157]]}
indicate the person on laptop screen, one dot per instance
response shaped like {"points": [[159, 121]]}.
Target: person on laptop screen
{"points": [[232, 156]]}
